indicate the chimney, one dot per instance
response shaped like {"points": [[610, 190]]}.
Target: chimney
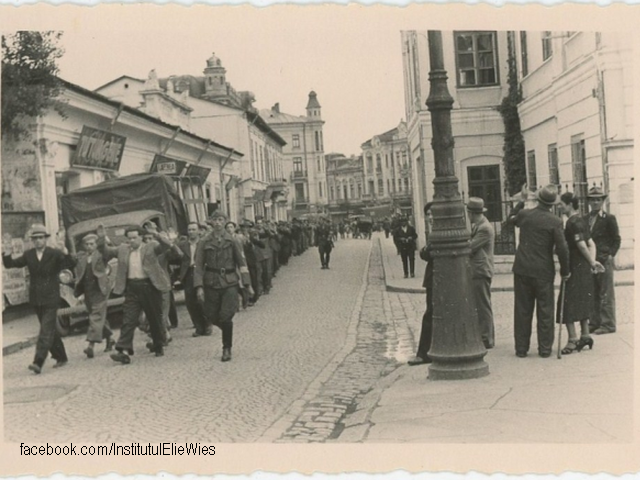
{"points": [[276, 108]]}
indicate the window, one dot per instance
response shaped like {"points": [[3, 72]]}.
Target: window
{"points": [[371, 188], [406, 185], [386, 160], [369, 164], [359, 191], [476, 58], [547, 46], [351, 190], [319, 164], [399, 184], [554, 174], [345, 191], [317, 135], [320, 189], [378, 163], [297, 164], [524, 54], [300, 192], [295, 141], [380, 187], [532, 179], [388, 186], [321, 142], [579, 170]]}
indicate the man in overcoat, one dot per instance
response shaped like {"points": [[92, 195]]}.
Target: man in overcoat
{"points": [[219, 259], [606, 235], [188, 246], [541, 233], [482, 244], [44, 264], [92, 280], [405, 239]]}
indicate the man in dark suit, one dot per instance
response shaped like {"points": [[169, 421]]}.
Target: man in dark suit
{"points": [[482, 243], [188, 246], [142, 280], [405, 239], [533, 269], [92, 280], [325, 243], [606, 235], [44, 264]]}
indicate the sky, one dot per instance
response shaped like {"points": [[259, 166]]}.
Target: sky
{"points": [[355, 68]]}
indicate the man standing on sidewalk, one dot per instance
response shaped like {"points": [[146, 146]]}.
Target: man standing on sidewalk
{"points": [[92, 280], [606, 235], [44, 264], [325, 243], [541, 233], [482, 243], [405, 238], [219, 257], [142, 281]]}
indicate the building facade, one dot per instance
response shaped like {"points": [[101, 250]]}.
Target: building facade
{"points": [[387, 171], [476, 62], [97, 139], [577, 118], [257, 185], [304, 160], [345, 184]]}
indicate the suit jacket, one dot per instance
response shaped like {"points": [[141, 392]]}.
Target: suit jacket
{"points": [[218, 261], [482, 243], [406, 240], [185, 261], [98, 267], [606, 235], [540, 232], [44, 284], [149, 253]]}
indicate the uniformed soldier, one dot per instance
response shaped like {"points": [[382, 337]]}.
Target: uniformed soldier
{"points": [[219, 260]]}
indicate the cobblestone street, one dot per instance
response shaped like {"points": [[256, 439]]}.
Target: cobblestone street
{"points": [[281, 346]]}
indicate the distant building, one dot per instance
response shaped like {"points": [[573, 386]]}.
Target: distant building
{"points": [[345, 182], [387, 171], [577, 117], [304, 162], [213, 108], [476, 63]]}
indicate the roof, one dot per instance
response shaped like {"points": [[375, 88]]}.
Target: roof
{"points": [[259, 122], [195, 84], [279, 118], [384, 137], [313, 100], [118, 79], [140, 114]]}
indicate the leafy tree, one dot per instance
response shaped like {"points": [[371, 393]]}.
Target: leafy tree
{"points": [[29, 77], [514, 151]]}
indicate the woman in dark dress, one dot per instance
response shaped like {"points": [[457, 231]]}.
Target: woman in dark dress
{"points": [[578, 296]]}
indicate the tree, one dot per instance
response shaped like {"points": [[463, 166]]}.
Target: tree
{"points": [[514, 151], [29, 77]]}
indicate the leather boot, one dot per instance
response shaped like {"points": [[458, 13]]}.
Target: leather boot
{"points": [[227, 340]]}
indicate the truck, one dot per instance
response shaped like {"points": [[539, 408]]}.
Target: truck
{"points": [[118, 204]]}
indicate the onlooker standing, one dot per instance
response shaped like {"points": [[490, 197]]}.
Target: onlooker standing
{"points": [[92, 280], [540, 233], [606, 236], [482, 244], [188, 246], [44, 265], [578, 295], [264, 257], [325, 243], [405, 237]]}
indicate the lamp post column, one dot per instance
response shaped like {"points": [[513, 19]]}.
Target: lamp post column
{"points": [[456, 349]]}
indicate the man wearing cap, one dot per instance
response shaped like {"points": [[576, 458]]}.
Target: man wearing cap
{"points": [[44, 264], [405, 238], [533, 269], [482, 243], [188, 246], [92, 280], [219, 257], [606, 235]]}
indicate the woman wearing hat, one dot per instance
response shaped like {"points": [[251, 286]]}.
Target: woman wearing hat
{"points": [[578, 296]]}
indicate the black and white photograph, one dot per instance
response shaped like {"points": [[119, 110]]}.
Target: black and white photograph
{"points": [[272, 226]]}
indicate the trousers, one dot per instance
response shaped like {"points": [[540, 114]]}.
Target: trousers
{"points": [[140, 296], [49, 339], [408, 261], [96, 304], [482, 295], [220, 305], [194, 307], [533, 292], [325, 254], [426, 331], [604, 302]]}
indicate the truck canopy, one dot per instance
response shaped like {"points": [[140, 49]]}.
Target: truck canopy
{"points": [[133, 193]]}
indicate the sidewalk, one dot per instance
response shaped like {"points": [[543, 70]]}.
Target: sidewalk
{"points": [[585, 397], [501, 282]]}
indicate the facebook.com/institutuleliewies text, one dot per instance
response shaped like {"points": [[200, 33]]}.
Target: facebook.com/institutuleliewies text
{"points": [[130, 449]]}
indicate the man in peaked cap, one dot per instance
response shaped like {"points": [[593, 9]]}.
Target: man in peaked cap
{"points": [[44, 264], [482, 243], [541, 233], [606, 235]]}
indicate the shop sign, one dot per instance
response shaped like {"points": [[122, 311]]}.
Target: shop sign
{"points": [[195, 171], [167, 165], [98, 149]]}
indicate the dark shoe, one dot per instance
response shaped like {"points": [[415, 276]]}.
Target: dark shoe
{"points": [[196, 334], [602, 331], [413, 275], [593, 328], [570, 347], [60, 363], [327, 267], [584, 342], [121, 357], [521, 354], [110, 344], [487, 345], [226, 354], [37, 369], [160, 352], [418, 361], [150, 346], [406, 276], [88, 352], [208, 332], [544, 354]]}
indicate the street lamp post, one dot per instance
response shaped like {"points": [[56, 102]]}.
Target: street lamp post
{"points": [[456, 348]]}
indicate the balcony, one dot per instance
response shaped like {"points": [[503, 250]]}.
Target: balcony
{"points": [[299, 175]]}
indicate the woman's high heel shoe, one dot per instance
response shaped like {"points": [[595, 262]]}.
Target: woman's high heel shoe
{"points": [[585, 342]]}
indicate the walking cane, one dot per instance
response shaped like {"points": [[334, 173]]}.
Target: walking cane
{"points": [[562, 288]]}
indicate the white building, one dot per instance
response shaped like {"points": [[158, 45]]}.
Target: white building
{"points": [[577, 117]]}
